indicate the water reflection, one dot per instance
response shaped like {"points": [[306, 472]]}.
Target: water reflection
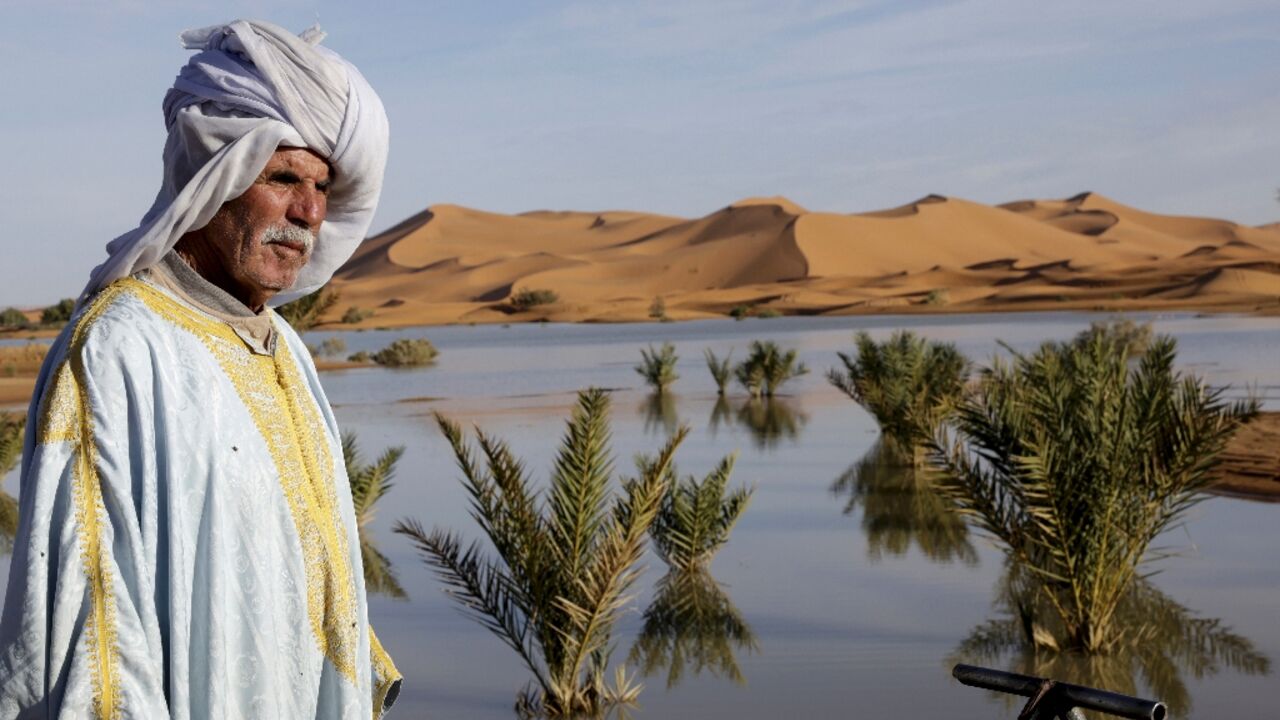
{"points": [[771, 420], [692, 624], [1162, 642], [659, 411], [900, 506]]}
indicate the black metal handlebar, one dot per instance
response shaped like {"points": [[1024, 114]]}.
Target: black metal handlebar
{"points": [[1051, 699]]}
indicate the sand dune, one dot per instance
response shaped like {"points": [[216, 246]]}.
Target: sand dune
{"points": [[936, 254]]}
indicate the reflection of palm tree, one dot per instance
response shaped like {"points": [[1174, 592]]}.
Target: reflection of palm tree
{"points": [[899, 505], [1162, 640], [12, 426], [721, 414], [771, 420], [692, 623], [660, 414], [368, 484]]}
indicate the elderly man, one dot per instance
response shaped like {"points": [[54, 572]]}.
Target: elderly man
{"points": [[187, 545]]}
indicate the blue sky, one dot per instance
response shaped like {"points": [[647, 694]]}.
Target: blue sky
{"points": [[674, 107]]}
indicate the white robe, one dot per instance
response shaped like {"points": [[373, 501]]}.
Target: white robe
{"points": [[187, 545]]}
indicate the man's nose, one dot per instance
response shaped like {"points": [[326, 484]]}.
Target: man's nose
{"points": [[309, 206]]}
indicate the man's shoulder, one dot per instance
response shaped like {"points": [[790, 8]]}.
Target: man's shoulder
{"points": [[127, 313]]}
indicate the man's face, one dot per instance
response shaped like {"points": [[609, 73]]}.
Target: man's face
{"points": [[265, 236]]}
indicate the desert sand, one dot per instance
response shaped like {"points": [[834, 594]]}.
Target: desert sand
{"points": [[451, 264]]}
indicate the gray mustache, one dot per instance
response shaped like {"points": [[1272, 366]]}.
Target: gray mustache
{"points": [[291, 234]]}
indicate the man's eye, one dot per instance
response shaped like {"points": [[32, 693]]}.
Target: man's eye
{"points": [[286, 178]]}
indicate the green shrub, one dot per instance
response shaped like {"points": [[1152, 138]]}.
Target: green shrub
{"points": [[937, 296], [304, 313], [767, 313], [368, 484], [658, 309], [407, 353], [907, 383], [526, 298], [767, 368], [58, 314], [1074, 459], [721, 370], [362, 356], [739, 312], [333, 347], [355, 315], [658, 367], [14, 319], [697, 517], [565, 558]]}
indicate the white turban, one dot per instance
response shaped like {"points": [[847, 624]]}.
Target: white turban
{"points": [[252, 88]]}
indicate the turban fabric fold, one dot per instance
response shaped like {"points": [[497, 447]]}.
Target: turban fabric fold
{"points": [[252, 88]]}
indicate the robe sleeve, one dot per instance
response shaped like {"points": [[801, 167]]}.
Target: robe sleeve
{"points": [[386, 680], [79, 637]]}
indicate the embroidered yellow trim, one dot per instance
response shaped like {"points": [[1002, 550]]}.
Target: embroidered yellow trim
{"points": [[386, 678], [66, 416], [288, 419]]}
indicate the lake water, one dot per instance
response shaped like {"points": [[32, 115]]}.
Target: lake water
{"points": [[852, 592]]}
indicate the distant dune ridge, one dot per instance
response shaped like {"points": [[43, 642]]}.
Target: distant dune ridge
{"points": [[452, 264]]}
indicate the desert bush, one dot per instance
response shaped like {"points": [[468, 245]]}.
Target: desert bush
{"points": [[361, 356], [937, 296], [333, 347], [355, 315], [767, 313], [1132, 337], [407, 353], [696, 517], [721, 370], [368, 484], [565, 559], [305, 312], [658, 309], [59, 313], [907, 383], [14, 319], [740, 312], [658, 367], [526, 298], [1075, 459], [767, 367]]}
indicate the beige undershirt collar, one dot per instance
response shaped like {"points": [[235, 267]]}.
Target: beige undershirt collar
{"points": [[256, 329]]}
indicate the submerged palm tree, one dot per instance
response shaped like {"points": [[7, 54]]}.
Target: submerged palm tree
{"points": [[692, 623], [721, 369], [658, 367], [901, 506], [767, 367], [697, 517], [565, 560], [12, 426], [1162, 641], [368, 484], [1075, 459], [907, 383]]}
